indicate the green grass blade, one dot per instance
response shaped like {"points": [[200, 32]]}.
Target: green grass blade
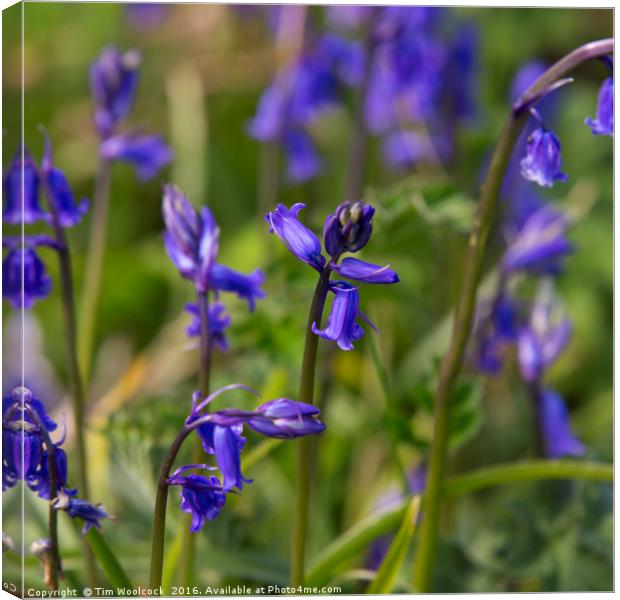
{"points": [[108, 561], [392, 563]]}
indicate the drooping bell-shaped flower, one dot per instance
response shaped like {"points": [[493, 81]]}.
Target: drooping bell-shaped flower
{"points": [[69, 212], [348, 229], [541, 244], [559, 440], [543, 158], [287, 419], [342, 326], [148, 154], [89, 513], [202, 497], [300, 241], [604, 122], [113, 82], [36, 282], [19, 173]]}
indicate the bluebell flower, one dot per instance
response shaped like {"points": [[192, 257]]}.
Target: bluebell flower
{"points": [[342, 326], [113, 82], [69, 212], [218, 323], [543, 339], [604, 122], [540, 245], [360, 270], [22, 440], [495, 329], [286, 419], [89, 513], [543, 158], [202, 497], [348, 228], [559, 440], [148, 154], [146, 15], [247, 287], [303, 162], [300, 241], [36, 282], [191, 238], [12, 185], [300, 94]]}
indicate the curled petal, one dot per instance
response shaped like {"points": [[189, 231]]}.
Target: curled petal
{"points": [[359, 270]]}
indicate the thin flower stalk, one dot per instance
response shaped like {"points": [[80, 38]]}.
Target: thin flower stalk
{"points": [[451, 364]]}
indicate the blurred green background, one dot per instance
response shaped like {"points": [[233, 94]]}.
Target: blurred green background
{"points": [[203, 69]]}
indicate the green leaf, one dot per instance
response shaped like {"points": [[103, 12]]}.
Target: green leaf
{"points": [[387, 573], [108, 561]]}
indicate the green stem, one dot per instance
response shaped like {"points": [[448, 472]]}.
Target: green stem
{"points": [[94, 266], [188, 542], [159, 514], [452, 361], [306, 394], [357, 539], [75, 376], [108, 561]]}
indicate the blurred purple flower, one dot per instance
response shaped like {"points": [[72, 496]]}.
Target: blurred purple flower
{"points": [[36, 282], [89, 513], [540, 245], [12, 184], [113, 82], [69, 212], [604, 122], [303, 162], [145, 15], [247, 287], [146, 153], [286, 419], [559, 440], [218, 323]]}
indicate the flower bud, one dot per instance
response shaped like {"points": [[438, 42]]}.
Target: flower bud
{"points": [[349, 228]]}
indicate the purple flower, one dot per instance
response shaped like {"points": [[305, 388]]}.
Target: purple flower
{"points": [[146, 153], [202, 497], [303, 162], [342, 326], [543, 340], [559, 440], [540, 245], [113, 82], [286, 419], [219, 321], [359, 270], [191, 238], [12, 183], [145, 15], [36, 282], [543, 158], [91, 514], [69, 213], [300, 241], [604, 122], [348, 229], [42, 483], [402, 149], [248, 287]]}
